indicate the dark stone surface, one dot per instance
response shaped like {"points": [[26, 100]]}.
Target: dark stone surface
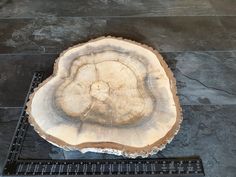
{"points": [[196, 38], [224, 7], [229, 24], [208, 131], [29, 9], [205, 77], [16, 72], [166, 34]]}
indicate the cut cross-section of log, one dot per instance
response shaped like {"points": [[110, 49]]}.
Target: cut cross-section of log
{"points": [[108, 95]]}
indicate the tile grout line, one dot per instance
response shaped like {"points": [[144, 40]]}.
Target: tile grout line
{"points": [[114, 16], [188, 51]]}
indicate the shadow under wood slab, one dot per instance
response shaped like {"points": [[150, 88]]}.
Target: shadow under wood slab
{"points": [[108, 95]]}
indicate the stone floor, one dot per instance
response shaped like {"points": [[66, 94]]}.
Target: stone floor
{"points": [[196, 38]]}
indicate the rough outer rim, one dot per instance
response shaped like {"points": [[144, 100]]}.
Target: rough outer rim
{"points": [[111, 147]]}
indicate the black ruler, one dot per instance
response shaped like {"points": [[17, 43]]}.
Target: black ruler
{"points": [[144, 167], [14, 165]]}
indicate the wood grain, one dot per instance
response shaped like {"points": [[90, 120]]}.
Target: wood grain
{"points": [[108, 95]]}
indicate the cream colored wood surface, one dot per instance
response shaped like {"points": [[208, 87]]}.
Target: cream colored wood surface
{"points": [[108, 95]]}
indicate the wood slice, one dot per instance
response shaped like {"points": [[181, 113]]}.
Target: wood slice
{"points": [[108, 95]]}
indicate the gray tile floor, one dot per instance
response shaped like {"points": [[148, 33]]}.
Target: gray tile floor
{"points": [[196, 38]]}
